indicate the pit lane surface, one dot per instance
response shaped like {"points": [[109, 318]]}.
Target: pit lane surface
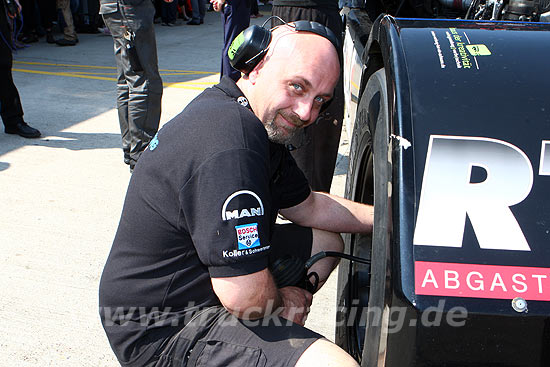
{"points": [[62, 194]]}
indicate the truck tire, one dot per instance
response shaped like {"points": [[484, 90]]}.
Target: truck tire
{"points": [[361, 325]]}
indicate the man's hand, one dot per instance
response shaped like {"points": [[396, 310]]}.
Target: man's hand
{"points": [[255, 296], [217, 5], [295, 303]]}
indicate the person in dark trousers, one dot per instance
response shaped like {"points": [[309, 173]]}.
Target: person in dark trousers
{"points": [[316, 149], [169, 12], [11, 110], [69, 33], [235, 18], [255, 9], [187, 281], [198, 12], [139, 86], [48, 11]]}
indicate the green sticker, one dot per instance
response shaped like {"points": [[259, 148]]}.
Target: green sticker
{"points": [[237, 42], [478, 50]]}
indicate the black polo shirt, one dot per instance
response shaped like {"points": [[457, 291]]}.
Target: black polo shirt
{"points": [[201, 203]]}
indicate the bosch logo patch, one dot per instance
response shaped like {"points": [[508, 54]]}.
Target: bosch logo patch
{"points": [[247, 236]]}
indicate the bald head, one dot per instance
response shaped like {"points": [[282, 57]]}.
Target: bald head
{"points": [[289, 86], [286, 41]]}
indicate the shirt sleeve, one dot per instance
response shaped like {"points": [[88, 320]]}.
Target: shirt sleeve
{"points": [[226, 206]]}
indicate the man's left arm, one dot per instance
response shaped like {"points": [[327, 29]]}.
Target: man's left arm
{"points": [[331, 213]]}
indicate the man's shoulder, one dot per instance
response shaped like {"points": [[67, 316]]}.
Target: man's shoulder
{"points": [[215, 122], [217, 113]]}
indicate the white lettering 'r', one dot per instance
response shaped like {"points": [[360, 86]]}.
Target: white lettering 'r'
{"points": [[544, 168], [447, 194]]}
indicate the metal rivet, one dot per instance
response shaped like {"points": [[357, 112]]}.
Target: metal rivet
{"points": [[519, 304]]}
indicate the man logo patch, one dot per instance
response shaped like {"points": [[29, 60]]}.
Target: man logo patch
{"points": [[232, 211], [247, 236]]}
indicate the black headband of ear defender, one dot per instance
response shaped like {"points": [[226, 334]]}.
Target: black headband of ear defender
{"points": [[251, 45]]}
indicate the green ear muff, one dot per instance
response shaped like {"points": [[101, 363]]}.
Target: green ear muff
{"points": [[249, 48]]}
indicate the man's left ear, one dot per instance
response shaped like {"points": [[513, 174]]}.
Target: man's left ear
{"points": [[253, 75]]}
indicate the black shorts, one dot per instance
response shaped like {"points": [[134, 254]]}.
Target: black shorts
{"points": [[290, 240], [214, 337]]}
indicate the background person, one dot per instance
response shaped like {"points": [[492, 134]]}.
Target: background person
{"points": [[139, 92], [198, 12], [69, 34], [235, 19], [10, 103], [169, 12]]}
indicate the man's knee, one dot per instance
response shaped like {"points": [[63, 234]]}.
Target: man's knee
{"points": [[325, 353], [326, 241]]}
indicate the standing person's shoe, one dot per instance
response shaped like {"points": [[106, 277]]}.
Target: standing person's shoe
{"points": [[29, 38], [194, 22], [104, 30], [24, 130], [66, 42], [49, 37]]}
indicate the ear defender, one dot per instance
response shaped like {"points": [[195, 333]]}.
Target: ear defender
{"points": [[251, 45], [249, 48], [317, 28]]}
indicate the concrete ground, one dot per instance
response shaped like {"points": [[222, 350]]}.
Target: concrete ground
{"points": [[61, 195]]}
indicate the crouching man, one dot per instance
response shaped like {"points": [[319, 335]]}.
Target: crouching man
{"points": [[187, 282]]}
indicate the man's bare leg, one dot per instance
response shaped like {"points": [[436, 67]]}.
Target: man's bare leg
{"points": [[323, 353], [325, 241]]}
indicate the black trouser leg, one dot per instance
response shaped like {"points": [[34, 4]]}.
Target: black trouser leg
{"points": [[28, 8], [138, 93], [48, 12], [10, 103], [235, 19], [169, 12]]}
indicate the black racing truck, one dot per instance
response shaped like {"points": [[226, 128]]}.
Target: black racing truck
{"points": [[448, 106]]}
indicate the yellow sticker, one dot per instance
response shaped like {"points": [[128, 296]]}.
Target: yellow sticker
{"points": [[478, 50]]}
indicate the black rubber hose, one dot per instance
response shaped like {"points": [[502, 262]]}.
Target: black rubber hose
{"points": [[321, 255]]}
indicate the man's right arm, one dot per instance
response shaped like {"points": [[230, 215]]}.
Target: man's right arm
{"points": [[254, 296]]}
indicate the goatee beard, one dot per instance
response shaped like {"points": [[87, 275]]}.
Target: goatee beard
{"points": [[281, 135]]}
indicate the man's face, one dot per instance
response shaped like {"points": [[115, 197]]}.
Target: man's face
{"points": [[294, 83]]}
